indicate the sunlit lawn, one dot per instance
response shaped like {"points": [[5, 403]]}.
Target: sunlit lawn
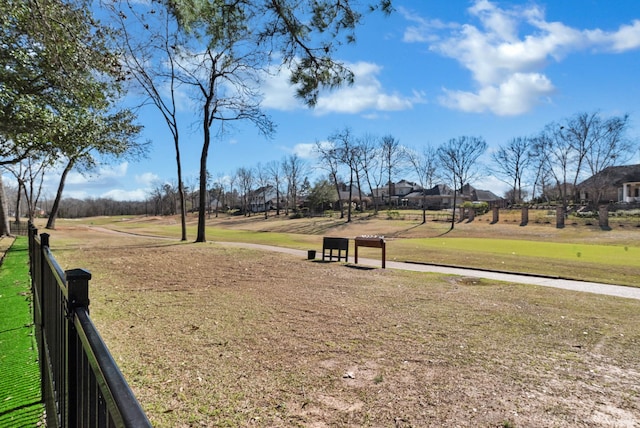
{"points": [[567, 253]]}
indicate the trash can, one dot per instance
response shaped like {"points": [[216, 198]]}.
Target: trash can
{"points": [[311, 254]]}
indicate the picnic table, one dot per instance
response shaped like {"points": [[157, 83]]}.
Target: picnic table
{"points": [[373, 242]]}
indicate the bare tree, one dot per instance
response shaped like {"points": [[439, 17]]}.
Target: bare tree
{"points": [[232, 45], [148, 39], [458, 158], [425, 165], [606, 144], [293, 168], [33, 186], [554, 153], [29, 173], [263, 179], [584, 143], [392, 154], [346, 151], [274, 169], [329, 156], [246, 181], [368, 162], [219, 186], [511, 162]]}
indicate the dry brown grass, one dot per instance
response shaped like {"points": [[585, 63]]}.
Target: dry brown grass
{"points": [[215, 336]]}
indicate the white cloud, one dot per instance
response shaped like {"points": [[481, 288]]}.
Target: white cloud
{"points": [[422, 30], [126, 195], [77, 194], [304, 150], [506, 67], [147, 179], [365, 95], [626, 38], [515, 96], [105, 173], [278, 92], [99, 183]]}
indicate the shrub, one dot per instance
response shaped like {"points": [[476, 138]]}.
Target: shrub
{"points": [[479, 207], [393, 215]]}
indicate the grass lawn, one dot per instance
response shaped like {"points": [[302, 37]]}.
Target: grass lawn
{"points": [[613, 264], [209, 335], [20, 399], [583, 253]]}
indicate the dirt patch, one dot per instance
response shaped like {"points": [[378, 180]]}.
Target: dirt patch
{"points": [[210, 335]]}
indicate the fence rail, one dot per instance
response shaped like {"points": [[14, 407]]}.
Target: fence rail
{"points": [[82, 385]]}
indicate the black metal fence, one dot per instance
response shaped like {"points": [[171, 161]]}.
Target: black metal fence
{"points": [[81, 384]]}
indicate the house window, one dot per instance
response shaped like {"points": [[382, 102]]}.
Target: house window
{"points": [[637, 192]]}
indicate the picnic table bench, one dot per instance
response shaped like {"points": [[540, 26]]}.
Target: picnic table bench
{"points": [[373, 242], [338, 244]]}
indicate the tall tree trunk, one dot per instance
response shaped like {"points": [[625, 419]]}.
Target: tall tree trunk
{"points": [[51, 222], [350, 197], [18, 200], [201, 237], [359, 190], [183, 207], [335, 183], [453, 208], [4, 217]]}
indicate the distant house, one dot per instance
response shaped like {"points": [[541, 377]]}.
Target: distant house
{"points": [[264, 199], [343, 194], [409, 194], [469, 193], [395, 193], [437, 198], [612, 184]]}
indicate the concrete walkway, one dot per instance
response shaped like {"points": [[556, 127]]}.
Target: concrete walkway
{"points": [[567, 284]]}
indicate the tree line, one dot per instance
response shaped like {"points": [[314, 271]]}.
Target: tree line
{"points": [[544, 167]]}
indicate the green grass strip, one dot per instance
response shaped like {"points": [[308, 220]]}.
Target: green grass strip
{"points": [[20, 398], [593, 253]]}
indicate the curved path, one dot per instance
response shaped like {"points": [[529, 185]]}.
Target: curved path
{"points": [[567, 284]]}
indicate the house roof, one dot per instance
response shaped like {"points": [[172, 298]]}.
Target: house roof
{"points": [[344, 192], [405, 183], [486, 196], [438, 190], [616, 175]]}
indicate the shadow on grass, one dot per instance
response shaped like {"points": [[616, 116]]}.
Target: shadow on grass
{"points": [[357, 267]]}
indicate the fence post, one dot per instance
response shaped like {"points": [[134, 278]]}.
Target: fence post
{"points": [[560, 213], [77, 297], [525, 216], [603, 217], [78, 288], [496, 215]]}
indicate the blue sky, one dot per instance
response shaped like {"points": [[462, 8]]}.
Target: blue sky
{"points": [[432, 71]]}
